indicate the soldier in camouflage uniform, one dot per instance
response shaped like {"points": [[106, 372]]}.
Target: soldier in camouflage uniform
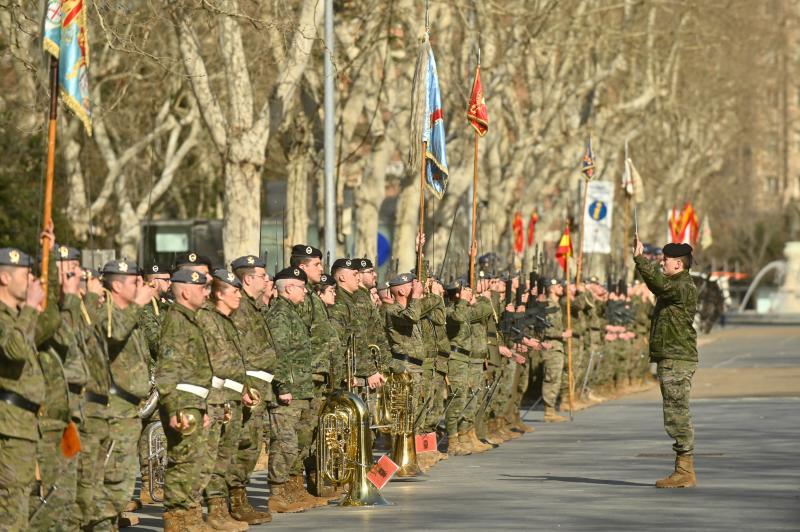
{"points": [[480, 313], [259, 362], [157, 276], [21, 385], [459, 315], [126, 349], [673, 346], [293, 387], [183, 379], [225, 398], [348, 318], [326, 347], [553, 356]]}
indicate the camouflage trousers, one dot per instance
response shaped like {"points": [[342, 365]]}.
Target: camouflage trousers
{"points": [[464, 382], [17, 479], [432, 386], [675, 380], [553, 370], [91, 465], [119, 474], [505, 390], [255, 423], [482, 409], [223, 441], [284, 446], [186, 459], [578, 369], [61, 511]]}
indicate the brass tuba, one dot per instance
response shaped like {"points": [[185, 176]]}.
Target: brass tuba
{"points": [[396, 413], [156, 459], [344, 448]]}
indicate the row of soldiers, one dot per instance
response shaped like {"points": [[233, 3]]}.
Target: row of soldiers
{"points": [[238, 358]]}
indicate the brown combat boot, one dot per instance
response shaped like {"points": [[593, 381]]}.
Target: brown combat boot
{"points": [[280, 501], [477, 445], [242, 511], [301, 493], [175, 520], [519, 425], [455, 447], [683, 476], [193, 521], [550, 415], [127, 520], [220, 519]]}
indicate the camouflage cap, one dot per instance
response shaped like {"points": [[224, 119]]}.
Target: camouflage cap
{"points": [[188, 277], [120, 267], [14, 257], [248, 261], [226, 276], [67, 253]]}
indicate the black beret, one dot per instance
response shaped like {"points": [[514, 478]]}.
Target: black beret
{"points": [[120, 267], [248, 261], [363, 264], [677, 250], [403, 278], [305, 251], [188, 277], [67, 253], [155, 269], [89, 273], [384, 285], [457, 284], [14, 257], [292, 273], [326, 280], [191, 258], [349, 264], [226, 277]]}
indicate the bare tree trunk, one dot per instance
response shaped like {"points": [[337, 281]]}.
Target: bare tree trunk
{"points": [[297, 185], [368, 200]]}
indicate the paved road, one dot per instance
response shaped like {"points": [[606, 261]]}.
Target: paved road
{"points": [[597, 472]]}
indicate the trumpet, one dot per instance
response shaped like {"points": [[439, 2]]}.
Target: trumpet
{"points": [[255, 395], [188, 422]]}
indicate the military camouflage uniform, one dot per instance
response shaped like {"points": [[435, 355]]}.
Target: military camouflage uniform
{"points": [[294, 375], [434, 367], [673, 345], [460, 335], [259, 360], [20, 376], [554, 357], [224, 351], [480, 313]]}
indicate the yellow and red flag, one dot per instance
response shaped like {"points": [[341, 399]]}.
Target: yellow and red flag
{"points": [[477, 115], [532, 228], [564, 249]]}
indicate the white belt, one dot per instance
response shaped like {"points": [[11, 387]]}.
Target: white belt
{"points": [[233, 385], [260, 375], [199, 391], [217, 383]]}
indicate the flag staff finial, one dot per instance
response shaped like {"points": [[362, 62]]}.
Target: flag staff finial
{"points": [[427, 21], [479, 55]]}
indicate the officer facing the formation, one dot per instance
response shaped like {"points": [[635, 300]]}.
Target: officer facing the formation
{"points": [[673, 346]]}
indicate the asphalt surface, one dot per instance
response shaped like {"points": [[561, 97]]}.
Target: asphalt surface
{"points": [[597, 472]]}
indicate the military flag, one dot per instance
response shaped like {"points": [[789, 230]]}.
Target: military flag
{"points": [[65, 37], [532, 228], [477, 114], [427, 121], [564, 249], [683, 225], [632, 183], [519, 238]]}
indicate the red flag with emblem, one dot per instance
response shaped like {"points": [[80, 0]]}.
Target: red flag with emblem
{"points": [[477, 114], [532, 228], [425, 443], [382, 472], [564, 250]]}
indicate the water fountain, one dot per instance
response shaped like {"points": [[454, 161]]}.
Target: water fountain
{"points": [[783, 306]]}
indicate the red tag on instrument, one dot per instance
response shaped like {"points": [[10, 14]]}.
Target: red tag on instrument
{"points": [[382, 472], [425, 443]]}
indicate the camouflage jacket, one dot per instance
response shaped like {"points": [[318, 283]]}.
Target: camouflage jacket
{"points": [[127, 353], [375, 322], [225, 355], [434, 333], [325, 342], [480, 313], [348, 318], [404, 330], [182, 360], [20, 371], [458, 329], [54, 341], [150, 323], [293, 372], [672, 334], [91, 345], [256, 345], [552, 334], [493, 336]]}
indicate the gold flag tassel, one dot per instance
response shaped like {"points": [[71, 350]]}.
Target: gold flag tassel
{"points": [[108, 310], [155, 305], [85, 313]]}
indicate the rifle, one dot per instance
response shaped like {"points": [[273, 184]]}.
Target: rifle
{"points": [[492, 388], [589, 367], [444, 412], [469, 402], [43, 503]]}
